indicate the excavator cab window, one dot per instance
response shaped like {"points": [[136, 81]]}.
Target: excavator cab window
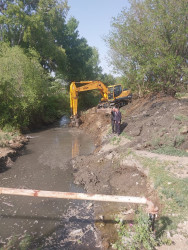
{"points": [[117, 90], [110, 93]]}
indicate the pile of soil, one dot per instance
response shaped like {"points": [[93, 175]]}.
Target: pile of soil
{"points": [[95, 122], [157, 121], [151, 122]]}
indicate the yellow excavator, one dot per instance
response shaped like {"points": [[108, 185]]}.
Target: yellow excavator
{"points": [[111, 95]]}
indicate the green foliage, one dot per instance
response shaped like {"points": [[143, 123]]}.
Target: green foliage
{"points": [[20, 83], [18, 242], [181, 95], [54, 107], [88, 99], [181, 117], [8, 133], [25, 243], [42, 25], [170, 150], [82, 60], [172, 190], [32, 25], [143, 236], [115, 140], [108, 79], [137, 236], [179, 139], [169, 145], [25, 88], [148, 45], [36, 40]]}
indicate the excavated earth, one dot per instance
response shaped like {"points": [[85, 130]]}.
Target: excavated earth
{"points": [[147, 124]]}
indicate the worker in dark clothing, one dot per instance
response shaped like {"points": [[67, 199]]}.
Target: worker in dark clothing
{"points": [[118, 120], [113, 120]]}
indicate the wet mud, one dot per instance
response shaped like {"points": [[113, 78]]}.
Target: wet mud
{"points": [[50, 223]]}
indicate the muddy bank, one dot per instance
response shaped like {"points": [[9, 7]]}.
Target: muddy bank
{"points": [[112, 173], [111, 170], [109, 173], [10, 150], [152, 123]]}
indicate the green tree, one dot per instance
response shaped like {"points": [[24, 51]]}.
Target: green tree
{"points": [[108, 79], [148, 44], [36, 35], [41, 24], [93, 70], [26, 91], [34, 25], [82, 59]]}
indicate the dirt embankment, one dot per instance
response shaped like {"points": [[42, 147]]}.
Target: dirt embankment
{"points": [[156, 123], [11, 144], [150, 123]]}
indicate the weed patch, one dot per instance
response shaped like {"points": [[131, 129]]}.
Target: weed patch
{"points": [[126, 136], [172, 191], [170, 150], [115, 140], [18, 242], [5, 137], [136, 236], [181, 117], [180, 95]]}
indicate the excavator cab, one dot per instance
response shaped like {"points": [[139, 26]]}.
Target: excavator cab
{"points": [[114, 92], [116, 95]]}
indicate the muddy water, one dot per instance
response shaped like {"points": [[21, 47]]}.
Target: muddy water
{"points": [[52, 223]]}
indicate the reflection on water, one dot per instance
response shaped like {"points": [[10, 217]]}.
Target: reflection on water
{"points": [[75, 147]]}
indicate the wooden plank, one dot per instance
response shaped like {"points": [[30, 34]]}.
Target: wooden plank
{"points": [[80, 196], [68, 195]]}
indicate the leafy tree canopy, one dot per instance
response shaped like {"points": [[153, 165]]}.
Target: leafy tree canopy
{"points": [[42, 25], [149, 46], [34, 25]]}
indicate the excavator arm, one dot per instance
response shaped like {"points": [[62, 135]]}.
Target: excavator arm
{"points": [[86, 85]]}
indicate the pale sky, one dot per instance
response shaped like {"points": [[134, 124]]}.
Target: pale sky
{"points": [[95, 17]]}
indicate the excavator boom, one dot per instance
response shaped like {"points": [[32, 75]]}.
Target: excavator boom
{"points": [[86, 85], [110, 95]]}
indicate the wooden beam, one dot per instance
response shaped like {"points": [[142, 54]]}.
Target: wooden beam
{"points": [[78, 196]]}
